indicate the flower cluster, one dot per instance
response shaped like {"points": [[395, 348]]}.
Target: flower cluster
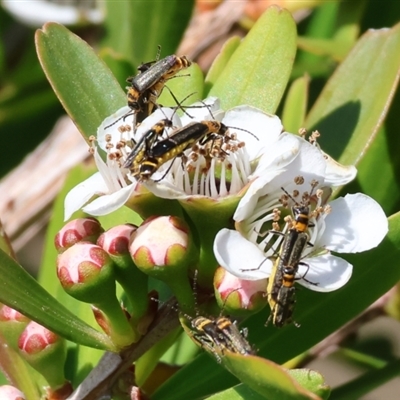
{"points": [[257, 174]]}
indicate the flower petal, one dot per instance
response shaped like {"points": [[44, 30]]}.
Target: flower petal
{"points": [[163, 188], [337, 174], [310, 164], [109, 202], [237, 255], [272, 163], [327, 271], [265, 127], [356, 223], [82, 193], [110, 127]]}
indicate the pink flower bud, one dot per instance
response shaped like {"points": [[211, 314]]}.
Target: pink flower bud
{"points": [[9, 314], [45, 351], [81, 263], [159, 242], [86, 273], [78, 230], [36, 338], [8, 392], [163, 248], [236, 295], [116, 240], [12, 323]]}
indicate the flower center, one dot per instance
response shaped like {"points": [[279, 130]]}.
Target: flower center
{"points": [[218, 168]]}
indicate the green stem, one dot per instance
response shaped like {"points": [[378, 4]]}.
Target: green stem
{"points": [[121, 332]]}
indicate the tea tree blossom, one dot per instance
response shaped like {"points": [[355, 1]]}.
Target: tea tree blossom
{"points": [[256, 148], [351, 224]]}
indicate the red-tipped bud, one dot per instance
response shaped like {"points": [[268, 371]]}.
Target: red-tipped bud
{"points": [[12, 323], [239, 296], [78, 230], [35, 338], [85, 270], [45, 351], [116, 241], [161, 245], [134, 282], [8, 392], [163, 248]]}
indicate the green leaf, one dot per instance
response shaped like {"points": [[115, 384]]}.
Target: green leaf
{"points": [[295, 107], [136, 28], [190, 81], [18, 372], [120, 66], [83, 83], [258, 71], [22, 293], [265, 377], [220, 62], [323, 47], [239, 392], [383, 152], [345, 35], [353, 104], [311, 380]]}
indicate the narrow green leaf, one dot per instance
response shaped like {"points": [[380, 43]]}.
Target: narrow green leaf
{"points": [[354, 102], [258, 71], [362, 358], [18, 372], [345, 34], [239, 392], [220, 62], [311, 380], [120, 66], [136, 28], [370, 180], [265, 377], [83, 83], [382, 183], [323, 47], [190, 81], [295, 107], [22, 293]]}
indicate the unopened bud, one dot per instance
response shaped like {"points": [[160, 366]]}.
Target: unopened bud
{"points": [[238, 296], [45, 351], [86, 272], [12, 323], [163, 248], [78, 230], [115, 242]]}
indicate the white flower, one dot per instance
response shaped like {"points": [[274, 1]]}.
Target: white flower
{"points": [[112, 183], [264, 154], [257, 149], [351, 224]]}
